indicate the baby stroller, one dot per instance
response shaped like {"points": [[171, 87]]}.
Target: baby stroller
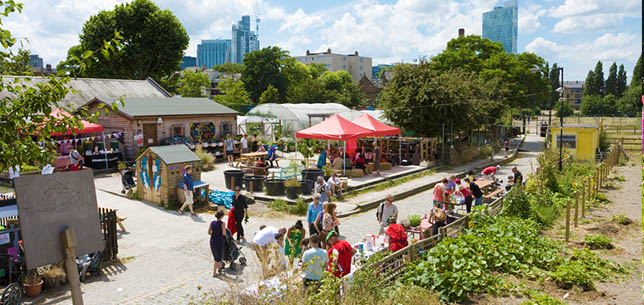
{"points": [[89, 263], [232, 252], [127, 179]]}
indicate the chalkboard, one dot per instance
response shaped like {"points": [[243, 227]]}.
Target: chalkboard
{"points": [[47, 204]]}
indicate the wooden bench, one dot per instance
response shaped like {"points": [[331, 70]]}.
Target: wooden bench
{"points": [[256, 171]]}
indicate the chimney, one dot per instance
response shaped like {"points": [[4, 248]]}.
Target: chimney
{"points": [[461, 32], [308, 53], [328, 51], [356, 53]]}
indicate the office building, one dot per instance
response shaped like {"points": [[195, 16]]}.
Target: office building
{"points": [[501, 25], [573, 92], [188, 61], [213, 52], [35, 61], [243, 40], [356, 65]]}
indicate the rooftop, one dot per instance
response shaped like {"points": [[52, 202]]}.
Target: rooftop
{"points": [[171, 154], [163, 106]]}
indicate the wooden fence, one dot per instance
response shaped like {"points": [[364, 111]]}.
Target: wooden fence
{"points": [[396, 263], [108, 228]]}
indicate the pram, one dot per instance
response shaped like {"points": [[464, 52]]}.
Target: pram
{"points": [[89, 263], [232, 252], [127, 179]]}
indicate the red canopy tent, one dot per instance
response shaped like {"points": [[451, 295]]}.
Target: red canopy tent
{"points": [[87, 126], [377, 128], [335, 128]]}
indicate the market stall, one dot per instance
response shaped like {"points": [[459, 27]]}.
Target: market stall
{"points": [[378, 129]]}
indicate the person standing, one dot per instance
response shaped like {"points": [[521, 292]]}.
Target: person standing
{"points": [[217, 232], [387, 213], [376, 159], [518, 177], [294, 237], [322, 159], [439, 192], [465, 191], [14, 172], [506, 147], [312, 212], [340, 254], [313, 262], [241, 212], [75, 159], [261, 241], [244, 144], [254, 142], [230, 149], [476, 192], [187, 189], [321, 188], [451, 183]]}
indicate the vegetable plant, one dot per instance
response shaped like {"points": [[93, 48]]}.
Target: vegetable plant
{"points": [[598, 241]]}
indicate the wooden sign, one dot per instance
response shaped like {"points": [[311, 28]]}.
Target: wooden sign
{"points": [[47, 205]]}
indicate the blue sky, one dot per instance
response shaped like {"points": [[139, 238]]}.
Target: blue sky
{"points": [[573, 33]]}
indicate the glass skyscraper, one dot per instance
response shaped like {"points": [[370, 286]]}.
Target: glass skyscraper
{"points": [[213, 52], [35, 61], [501, 25], [243, 40]]}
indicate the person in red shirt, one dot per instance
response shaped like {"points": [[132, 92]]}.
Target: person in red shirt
{"points": [[490, 171], [340, 254], [397, 237]]}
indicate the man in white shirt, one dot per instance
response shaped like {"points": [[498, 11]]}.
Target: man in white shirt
{"points": [[244, 143], [14, 172], [335, 184], [261, 240], [387, 213]]}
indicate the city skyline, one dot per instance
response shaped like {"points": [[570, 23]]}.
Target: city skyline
{"points": [[573, 33], [501, 25]]}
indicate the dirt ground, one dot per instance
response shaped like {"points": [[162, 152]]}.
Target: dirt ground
{"points": [[624, 199]]}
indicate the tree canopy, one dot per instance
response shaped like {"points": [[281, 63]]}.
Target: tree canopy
{"points": [[234, 94], [193, 84], [611, 81], [16, 64], [154, 42], [263, 68], [620, 86], [229, 67], [637, 73]]}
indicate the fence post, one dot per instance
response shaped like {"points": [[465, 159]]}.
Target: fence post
{"points": [[568, 220], [576, 206], [412, 252], [583, 199], [596, 183]]}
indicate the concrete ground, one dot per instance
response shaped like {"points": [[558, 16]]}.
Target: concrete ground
{"points": [[165, 257]]}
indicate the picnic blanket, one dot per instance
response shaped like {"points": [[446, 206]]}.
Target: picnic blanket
{"points": [[221, 198]]}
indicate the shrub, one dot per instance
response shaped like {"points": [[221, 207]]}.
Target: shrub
{"points": [[622, 220], [299, 208], [207, 159], [572, 274], [517, 204], [598, 241], [414, 220], [540, 298]]}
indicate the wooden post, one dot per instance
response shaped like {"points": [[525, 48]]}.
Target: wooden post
{"points": [[596, 183], [576, 206], [412, 252], [583, 199], [251, 186], [568, 221], [69, 245]]}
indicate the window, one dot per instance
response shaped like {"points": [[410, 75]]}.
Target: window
{"points": [[177, 130], [569, 140], [226, 128], [360, 68], [361, 60]]}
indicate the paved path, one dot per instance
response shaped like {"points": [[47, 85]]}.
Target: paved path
{"points": [[167, 257]]}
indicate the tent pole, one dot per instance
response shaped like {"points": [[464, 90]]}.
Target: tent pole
{"points": [[399, 150], [105, 149], [344, 158], [296, 151]]}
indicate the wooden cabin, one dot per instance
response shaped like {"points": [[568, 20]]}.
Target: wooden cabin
{"points": [[160, 169]]}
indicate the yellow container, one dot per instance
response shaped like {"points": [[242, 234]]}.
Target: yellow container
{"points": [[580, 139]]}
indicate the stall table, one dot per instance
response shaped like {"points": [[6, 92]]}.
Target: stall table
{"points": [[97, 161], [424, 226], [250, 158]]}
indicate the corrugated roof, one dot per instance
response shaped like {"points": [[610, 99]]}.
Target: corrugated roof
{"points": [[576, 126], [162, 106], [89, 88], [172, 154]]}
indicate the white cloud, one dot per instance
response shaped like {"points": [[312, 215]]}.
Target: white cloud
{"points": [[576, 24], [529, 18], [294, 42], [583, 7], [300, 21], [543, 47]]}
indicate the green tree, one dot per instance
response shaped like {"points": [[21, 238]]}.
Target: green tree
{"points": [[611, 81], [171, 83], [630, 103], [590, 85], [599, 78], [637, 73], [567, 109], [553, 76], [17, 64], [234, 95], [229, 67], [596, 105], [193, 83], [153, 41], [72, 64], [270, 96], [263, 68], [29, 108], [317, 70], [620, 87]]}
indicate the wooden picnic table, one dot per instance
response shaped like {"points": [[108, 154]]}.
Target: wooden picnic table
{"points": [[249, 158]]}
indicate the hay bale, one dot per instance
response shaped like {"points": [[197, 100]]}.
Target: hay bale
{"points": [[385, 166]]}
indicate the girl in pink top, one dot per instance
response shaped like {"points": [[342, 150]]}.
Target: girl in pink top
{"points": [[439, 192]]}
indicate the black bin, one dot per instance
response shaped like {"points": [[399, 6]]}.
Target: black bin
{"points": [[238, 176], [258, 183]]}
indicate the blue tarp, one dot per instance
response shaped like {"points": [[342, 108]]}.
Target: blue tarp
{"points": [[221, 198]]}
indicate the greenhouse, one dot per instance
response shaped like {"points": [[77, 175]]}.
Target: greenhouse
{"points": [[295, 117]]}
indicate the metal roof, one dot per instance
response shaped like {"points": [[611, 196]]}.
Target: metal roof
{"points": [[576, 126], [163, 106], [172, 154], [89, 88]]}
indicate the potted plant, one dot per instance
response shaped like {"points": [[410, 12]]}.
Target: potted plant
{"points": [[327, 172], [274, 187], [32, 283], [292, 188]]}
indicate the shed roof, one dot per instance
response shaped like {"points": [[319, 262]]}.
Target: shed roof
{"points": [[297, 112], [89, 88], [161, 106], [577, 126], [172, 154]]}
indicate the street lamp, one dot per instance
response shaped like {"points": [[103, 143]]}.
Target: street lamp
{"points": [[561, 120]]}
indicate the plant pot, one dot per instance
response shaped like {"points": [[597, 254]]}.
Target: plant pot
{"points": [[292, 192], [307, 187], [238, 176], [258, 183], [311, 174], [274, 187], [33, 290]]}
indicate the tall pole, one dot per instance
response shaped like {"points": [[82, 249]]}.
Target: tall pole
{"points": [[561, 120]]}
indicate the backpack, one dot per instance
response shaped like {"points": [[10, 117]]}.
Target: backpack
{"points": [[379, 211]]}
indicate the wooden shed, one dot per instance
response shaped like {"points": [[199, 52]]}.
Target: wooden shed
{"points": [[159, 170]]}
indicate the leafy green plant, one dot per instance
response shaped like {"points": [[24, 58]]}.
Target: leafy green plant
{"points": [[622, 219], [327, 170], [207, 159], [598, 241], [572, 274], [540, 298], [414, 220], [517, 203], [621, 178], [292, 183], [299, 208]]}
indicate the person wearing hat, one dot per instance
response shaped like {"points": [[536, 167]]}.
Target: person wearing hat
{"points": [[340, 254], [464, 189], [490, 171], [240, 210], [312, 212], [387, 213]]}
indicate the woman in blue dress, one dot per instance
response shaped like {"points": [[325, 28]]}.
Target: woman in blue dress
{"points": [[217, 232]]}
